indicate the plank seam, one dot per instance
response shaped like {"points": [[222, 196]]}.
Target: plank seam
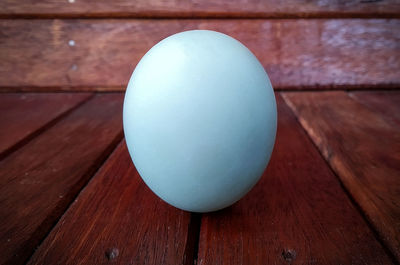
{"points": [[346, 191], [90, 174], [42, 129], [189, 15], [116, 89], [193, 238]]}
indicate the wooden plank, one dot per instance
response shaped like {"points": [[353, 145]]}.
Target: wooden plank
{"points": [[118, 218], [207, 8], [101, 54], [364, 150], [297, 213], [39, 181], [387, 103], [25, 115]]}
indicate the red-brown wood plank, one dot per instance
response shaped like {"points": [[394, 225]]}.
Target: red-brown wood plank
{"points": [[204, 8], [24, 115], [118, 219], [364, 150], [101, 54], [39, 180], [298, 213], [386, 102]]}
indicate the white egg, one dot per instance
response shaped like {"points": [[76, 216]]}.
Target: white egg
{"points": [[200, 120]]}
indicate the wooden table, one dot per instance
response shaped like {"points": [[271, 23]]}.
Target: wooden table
{"points": [[70, 194]]}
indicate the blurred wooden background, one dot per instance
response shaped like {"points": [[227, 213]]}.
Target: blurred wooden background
{"points": [[70, 194], [95, 45]]}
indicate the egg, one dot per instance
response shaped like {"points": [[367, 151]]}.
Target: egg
{"points": [[200, 120]]}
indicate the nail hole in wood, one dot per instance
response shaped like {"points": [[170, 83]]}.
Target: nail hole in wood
{"points": [[289, 255], [112, 253]]}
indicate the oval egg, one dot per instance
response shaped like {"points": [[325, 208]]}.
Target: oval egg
{"points": [[200, 120]]}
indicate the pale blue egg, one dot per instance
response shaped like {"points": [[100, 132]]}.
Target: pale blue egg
{"points": [[200, 120]]}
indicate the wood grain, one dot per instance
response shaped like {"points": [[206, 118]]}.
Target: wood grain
{"points": [[298, 213], [364, 150], [25, 115], [39, 181], [101, 54], [387, 103], [205, 8], [117, 213]]}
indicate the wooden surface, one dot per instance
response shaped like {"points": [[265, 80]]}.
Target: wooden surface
{"points": [[69, 193], [101, 54], [297, 213], [364, 150], [117, 213], [207, 8], [23, 115], [387, 103], [39, 181]]}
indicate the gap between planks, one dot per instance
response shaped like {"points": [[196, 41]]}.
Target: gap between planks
{"points": [[122, 89], [192, 245], [237, 16], [202, 9]]}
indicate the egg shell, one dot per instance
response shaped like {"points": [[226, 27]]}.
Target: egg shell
{"points": [[200, 120]]}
